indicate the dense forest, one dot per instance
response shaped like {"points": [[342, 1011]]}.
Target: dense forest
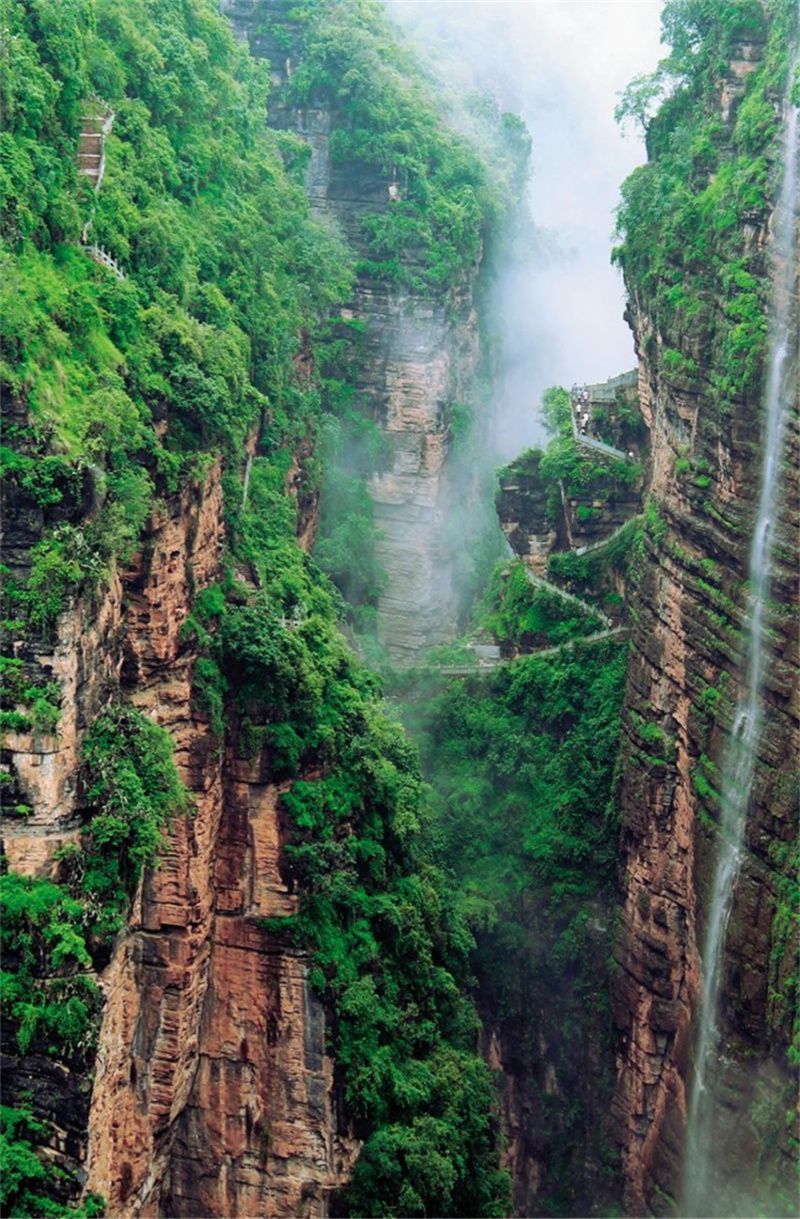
{"points": [[470, 858], [122, 392]]}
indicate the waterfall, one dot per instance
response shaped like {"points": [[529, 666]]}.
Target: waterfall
{"points": [[702, 1194]]}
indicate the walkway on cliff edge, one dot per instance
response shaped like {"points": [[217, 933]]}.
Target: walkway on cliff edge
{"points": [[483, 668], [548, 587], [92, 166]]}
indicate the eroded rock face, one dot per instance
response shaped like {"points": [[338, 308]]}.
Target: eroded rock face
{"points": [[419, 356], [258, 1134], [682, 687], [530, 519], [212, 1088]]}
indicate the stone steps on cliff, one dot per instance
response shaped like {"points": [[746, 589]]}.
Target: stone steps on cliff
{"points": [[483, 667], [549, 587]]}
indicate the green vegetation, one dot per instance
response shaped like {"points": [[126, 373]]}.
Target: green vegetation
{"points": [[591, 483], [226, 272], [521, 764], [351, 450], [585, 574], [683, 213], [660, 746], [347, 56], [55, 935], [696, 273], [30, 1185], [125, 392], [391, 954], [784, 962], [705, 777], [44, 993], [555, 411], [39, 699], [530, 617], [580, 468], [132, 789], [655, 527], [583, 473]]}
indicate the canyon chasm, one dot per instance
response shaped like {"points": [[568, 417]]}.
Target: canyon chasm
{"points": [[366, 807]]}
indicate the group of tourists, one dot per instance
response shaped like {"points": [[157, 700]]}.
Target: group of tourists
{"points": [[580, 398]]}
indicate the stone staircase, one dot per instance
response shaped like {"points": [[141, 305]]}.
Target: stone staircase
{"points": [[483, 667], [91, 146], [91, 166]]}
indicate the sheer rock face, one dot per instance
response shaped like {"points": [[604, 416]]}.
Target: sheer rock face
{"points": [[212, 1088], [531, 525], [420, 353], [683, 678]]}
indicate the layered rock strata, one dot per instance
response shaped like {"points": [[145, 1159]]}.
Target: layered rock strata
{"points": [[212, 1087], [682, 687], [419, 356]]}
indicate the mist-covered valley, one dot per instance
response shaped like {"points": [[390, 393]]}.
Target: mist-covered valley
{"points": [[399, 639]]}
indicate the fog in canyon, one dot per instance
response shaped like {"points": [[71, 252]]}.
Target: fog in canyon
{"points": [[560, 66]]}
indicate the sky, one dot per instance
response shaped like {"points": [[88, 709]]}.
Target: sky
{"points": [[560, 64]]}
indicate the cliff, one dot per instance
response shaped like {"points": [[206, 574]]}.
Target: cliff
{"points": [[419, 351], [702, 395], [521, 758], [174, 1088], [572, 513], [207, 1015], [240, 935], [572, 496], [233, 980]]}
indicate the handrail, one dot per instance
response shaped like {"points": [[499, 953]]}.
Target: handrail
{"points": [[98, 254], [550, 650], [601, 542], [624, 379], [588, 394], [600, 445], [556, 590]]}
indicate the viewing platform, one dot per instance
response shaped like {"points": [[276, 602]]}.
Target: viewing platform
{"points": [[583, 401]]}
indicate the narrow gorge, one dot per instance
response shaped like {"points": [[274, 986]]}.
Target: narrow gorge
{"points": [[390, 827]]}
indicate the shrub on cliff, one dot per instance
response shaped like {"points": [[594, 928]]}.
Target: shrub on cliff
{"points": [[133, 387], [682, 214]]}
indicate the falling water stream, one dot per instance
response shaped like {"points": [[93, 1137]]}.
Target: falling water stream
{"points": [[702, 1192]]}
